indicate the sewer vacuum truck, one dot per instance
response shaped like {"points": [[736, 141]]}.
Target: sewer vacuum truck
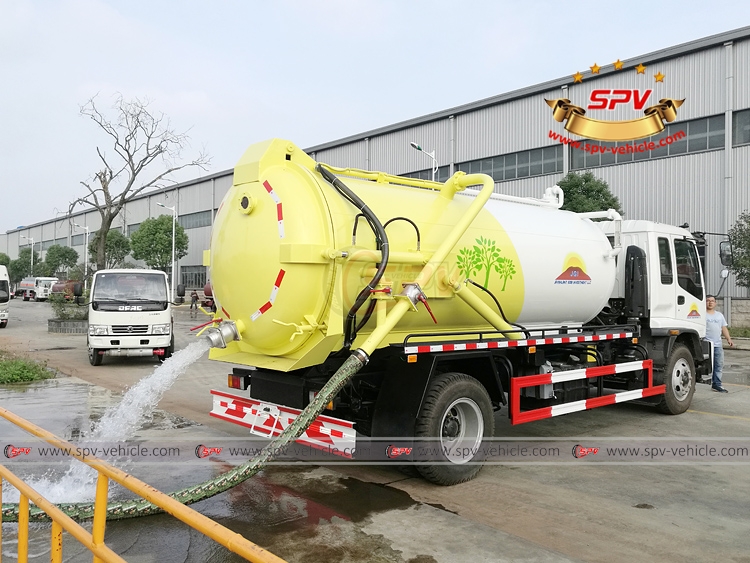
{"points": [[450, 302]]}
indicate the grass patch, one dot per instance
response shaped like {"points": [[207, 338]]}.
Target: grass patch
{"points": [[739, 332], [20, 370]]}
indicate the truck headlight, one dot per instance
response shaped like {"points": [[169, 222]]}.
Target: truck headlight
{"points": [[160, 329], [98, 330]]}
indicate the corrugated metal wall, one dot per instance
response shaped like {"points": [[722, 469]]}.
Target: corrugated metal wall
{"points": [[741, 51]]}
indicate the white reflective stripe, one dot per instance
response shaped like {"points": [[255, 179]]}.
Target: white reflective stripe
{"points": [[628, 366], [460, 347], [568, 375], [256, 314], [628, 395], [436, 348], [503, 344], [410, 350], [568, 408], [522, 343], [274, 196], [274, 291], [481, 345], [281, 229], [557, 341]]}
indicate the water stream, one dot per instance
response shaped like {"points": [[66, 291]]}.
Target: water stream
{"points": [[119, 423]]}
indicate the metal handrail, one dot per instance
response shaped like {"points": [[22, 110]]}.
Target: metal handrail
{"points": [[222, 535]]}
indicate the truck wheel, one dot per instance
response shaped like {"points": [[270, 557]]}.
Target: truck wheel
{"points": [[679, 379], [95, 358], [456, 416], [25, 298], [3, 324], [169, 350]]}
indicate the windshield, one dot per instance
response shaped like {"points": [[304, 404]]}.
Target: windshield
{"points": [[130, 287], [4, 291]]}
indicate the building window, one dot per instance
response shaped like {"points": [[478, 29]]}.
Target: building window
{"points": [[76, 240], [193, 276], [523, 164], [443, 173], [741, 128], [698, 135], [47, 243], [195, 220], [133, 228], [61, 241]]}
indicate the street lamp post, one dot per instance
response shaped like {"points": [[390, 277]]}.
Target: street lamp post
{"points": [[415, 146], [173, 209], [85, 256], [32, 252]]}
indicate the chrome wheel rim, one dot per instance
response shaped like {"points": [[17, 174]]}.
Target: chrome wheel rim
{"points": [[682, 380], [461, 430]]}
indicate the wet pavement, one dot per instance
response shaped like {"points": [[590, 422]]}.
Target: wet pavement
{"points": [[695, 512]]}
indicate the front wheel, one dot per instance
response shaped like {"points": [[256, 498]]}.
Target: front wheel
{"points": [[679, 379], [3, 323], [95, 358], [169, 351], [456, 417]]}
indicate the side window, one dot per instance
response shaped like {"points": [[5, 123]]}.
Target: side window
{"points": [[665, 261], [688, 268]]}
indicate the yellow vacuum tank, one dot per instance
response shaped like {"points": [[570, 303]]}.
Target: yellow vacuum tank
{"points": [[284, 260]]}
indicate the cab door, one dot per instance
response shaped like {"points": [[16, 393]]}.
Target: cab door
{"points": [[664, 303], [691, 303]]}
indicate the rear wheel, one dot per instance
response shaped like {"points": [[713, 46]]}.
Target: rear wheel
{"points": [[456, 417], [95, 358], [3, 323], [679, 379]]}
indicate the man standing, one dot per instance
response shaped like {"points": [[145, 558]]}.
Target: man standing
{"points": [[716, 326]]}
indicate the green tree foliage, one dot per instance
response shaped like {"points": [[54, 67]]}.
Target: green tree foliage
{"points": [[21, 267], [585, 192], [4, 259], [116, 248], [739, 234], [485, 255], [152, 242], [59, 258]]}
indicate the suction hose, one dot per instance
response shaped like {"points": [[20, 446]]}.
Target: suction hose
{"points": [[132, 508]]}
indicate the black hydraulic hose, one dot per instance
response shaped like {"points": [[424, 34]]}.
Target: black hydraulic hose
{"points": [[499, 307], [412, 223], [368, 314], [350, 328]]}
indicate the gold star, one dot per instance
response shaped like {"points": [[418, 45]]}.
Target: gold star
{"points": [[595, 69], [659, 77], [618, 64], [577, 77], [640, 69]]}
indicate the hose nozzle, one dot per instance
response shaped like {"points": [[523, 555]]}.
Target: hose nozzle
{"points": [[219, 336]]}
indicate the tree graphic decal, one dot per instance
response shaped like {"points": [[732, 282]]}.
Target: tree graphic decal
{"points": [[485, 256]]}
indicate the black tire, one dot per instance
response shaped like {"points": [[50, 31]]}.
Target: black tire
{"points": [[458, 412], [25, 298], [168, 351], [679, 378], [3, 324], [95, 358]]}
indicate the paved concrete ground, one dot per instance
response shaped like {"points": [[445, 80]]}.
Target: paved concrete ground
{"points": [[555, 512]]}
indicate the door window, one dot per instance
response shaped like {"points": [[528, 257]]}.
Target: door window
{"points": [[688, 268], [665, 261]]}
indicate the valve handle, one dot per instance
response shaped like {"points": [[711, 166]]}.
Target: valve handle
{"points": [[422, 298]]}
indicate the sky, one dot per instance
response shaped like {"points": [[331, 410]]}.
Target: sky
{"points": [[232, 73]]}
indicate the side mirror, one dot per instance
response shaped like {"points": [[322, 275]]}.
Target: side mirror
{"points": [[78, 290], [180, 290], [80, 300], [725, 253]]}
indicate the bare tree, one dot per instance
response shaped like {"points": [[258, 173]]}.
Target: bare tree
{"points": [[139, 138]]}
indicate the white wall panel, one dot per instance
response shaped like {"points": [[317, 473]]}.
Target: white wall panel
{"points": [[391, 152], [350, 155], [741, 50]]}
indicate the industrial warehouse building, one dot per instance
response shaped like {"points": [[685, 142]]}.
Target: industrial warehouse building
{"points": [[696, 171]]}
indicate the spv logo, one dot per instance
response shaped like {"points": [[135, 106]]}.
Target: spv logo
{"points": [[609, 99], [579, 451], [12, 451]]}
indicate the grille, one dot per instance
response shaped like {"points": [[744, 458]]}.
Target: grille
{"points": [[129, 329]]}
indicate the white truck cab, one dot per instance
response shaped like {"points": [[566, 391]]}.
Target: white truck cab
{"points": [[129, 315], [38, 288], [4, 296]]}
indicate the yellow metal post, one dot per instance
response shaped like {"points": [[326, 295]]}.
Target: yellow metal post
{"points": [[56, 543], [100, 513], [23, 529]]}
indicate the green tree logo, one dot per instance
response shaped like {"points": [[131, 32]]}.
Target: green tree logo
{"points": [[485, 256]]}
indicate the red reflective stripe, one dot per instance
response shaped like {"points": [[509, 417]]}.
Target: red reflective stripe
{"points": [[265, 307], [658, 390], [268, 187], [422, 349], [534, 380], [600, 401], [448, 348], [279, 212], [529, 416], [279, 278], [601, 370], [549, 340], [512, 343]]}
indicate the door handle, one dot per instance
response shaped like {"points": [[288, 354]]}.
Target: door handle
{"points": [[681, 300]]}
